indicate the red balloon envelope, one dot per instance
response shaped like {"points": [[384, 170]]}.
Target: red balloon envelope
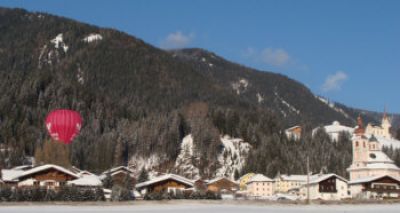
{"points": [[63, 125]]}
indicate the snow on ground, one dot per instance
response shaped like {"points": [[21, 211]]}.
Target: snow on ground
{"points": [[290, 107], [260, 99], [79, 76], [151, 207], [92, 37], [240, 85], [332, 105], [389, 142], [59, 42]]}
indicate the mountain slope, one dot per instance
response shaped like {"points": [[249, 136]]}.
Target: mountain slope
{"points": [[139, 102], [290, 99]]}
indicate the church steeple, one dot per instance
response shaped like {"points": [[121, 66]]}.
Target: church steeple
{"points": [[384, 113], [360, 128]]}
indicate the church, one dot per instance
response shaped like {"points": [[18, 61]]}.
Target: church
{"points": [[372, 173], [383, 130], [368, 158]]}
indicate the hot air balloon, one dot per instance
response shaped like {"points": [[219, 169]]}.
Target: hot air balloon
{"points": [[63, 125]]}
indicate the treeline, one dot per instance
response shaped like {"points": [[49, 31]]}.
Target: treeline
{"points": [[277, 155]]}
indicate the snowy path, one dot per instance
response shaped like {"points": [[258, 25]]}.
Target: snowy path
{"points": [[200, 208]]}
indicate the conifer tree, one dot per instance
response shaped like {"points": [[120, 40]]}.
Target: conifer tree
{"points": [[143, 176], [108, 181], [53, 152]]}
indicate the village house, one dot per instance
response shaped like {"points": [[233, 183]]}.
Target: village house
{"points": [[222, 184], [382, 186], [368, 158], [325, 187], [294, 132], [165, 183], [86, 180], [244, 179], [119, 175], [260, 186], [49, 176], [285, 183], [200, 185]]}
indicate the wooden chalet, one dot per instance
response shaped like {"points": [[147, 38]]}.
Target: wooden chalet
{"points": [[165, 183], [200, 185], [222, 184], [49, 176], [325, 187], [119, 175], [384, 186]]}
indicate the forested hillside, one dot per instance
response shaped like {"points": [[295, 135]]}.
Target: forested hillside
{"points": [[139, 101]]}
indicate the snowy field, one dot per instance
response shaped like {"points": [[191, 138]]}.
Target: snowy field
{"points": [[199, 208]]}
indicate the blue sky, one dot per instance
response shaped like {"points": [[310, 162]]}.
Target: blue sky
{"points": [[347, 51]]}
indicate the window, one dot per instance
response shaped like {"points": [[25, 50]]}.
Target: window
{"points": [[356, 143], [372, 155]]}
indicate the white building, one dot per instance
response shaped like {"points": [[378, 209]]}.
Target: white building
{"points": [[325, 187], [334, 130], [285, 183], [260, 186], [381, 131]]}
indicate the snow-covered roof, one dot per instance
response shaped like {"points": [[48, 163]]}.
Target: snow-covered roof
{"points": [[292, 128], [84, 173], [378, 156], [10, 174], [166, 177], [259, 178], [43, 168], [298, 178], [218, 179], [382, 166], [318, 178], [23, 167], [116, 169], [372, 178], [335, 127], [87, 180]]}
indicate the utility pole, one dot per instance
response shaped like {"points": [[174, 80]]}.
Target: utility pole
{"points": [[308, 180]]}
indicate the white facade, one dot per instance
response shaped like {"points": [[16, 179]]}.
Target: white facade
{"points": [[382, 131], [285, 183], [317, 190], [260, 186]]}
